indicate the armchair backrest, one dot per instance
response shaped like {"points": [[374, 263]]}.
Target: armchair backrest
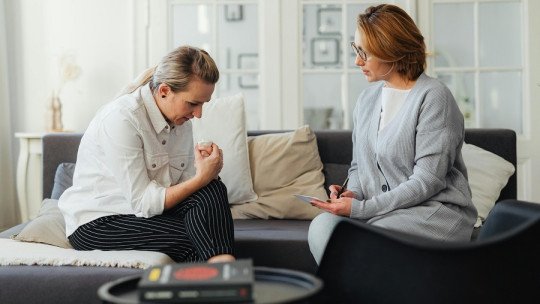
{"points": [[507, 216], [366, 264]]}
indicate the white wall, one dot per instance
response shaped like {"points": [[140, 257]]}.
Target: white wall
{"points": [[7, 178], [529, 147], [98, 33]]}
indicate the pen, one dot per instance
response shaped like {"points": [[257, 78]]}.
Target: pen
{"points": [[343, 187]]}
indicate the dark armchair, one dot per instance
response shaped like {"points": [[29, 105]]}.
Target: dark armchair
{"points": [[367, 264]]}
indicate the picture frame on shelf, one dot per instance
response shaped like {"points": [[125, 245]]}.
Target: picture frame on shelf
{"points": [[324, 51], [234, 12], [329, 21], [248, 61]]}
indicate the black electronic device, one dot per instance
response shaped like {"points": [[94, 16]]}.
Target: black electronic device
{"points": [[198, 283]]}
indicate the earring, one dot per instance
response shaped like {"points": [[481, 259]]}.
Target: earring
{"points": [[163, 96]]}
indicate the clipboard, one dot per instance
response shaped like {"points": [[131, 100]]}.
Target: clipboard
{"points": [[308, 199]]}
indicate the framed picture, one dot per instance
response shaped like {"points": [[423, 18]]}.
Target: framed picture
{"points": [[325, 51], [329, 21], [248, 62], [234, 12]]}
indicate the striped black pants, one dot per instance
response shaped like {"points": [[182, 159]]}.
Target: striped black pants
{"points": [[194, 230]]}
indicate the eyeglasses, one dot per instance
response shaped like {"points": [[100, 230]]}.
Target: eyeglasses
{"points": [[359, 51]]}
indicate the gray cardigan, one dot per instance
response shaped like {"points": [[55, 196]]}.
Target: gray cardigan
{"points": [[411, 176]]}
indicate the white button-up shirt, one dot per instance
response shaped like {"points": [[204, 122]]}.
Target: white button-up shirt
{"points": [[127, 158]]}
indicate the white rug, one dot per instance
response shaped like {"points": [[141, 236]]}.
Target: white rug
{"points": [[14, 252]]}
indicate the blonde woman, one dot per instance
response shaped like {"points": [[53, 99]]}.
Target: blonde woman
{"points": [[139, 182]]}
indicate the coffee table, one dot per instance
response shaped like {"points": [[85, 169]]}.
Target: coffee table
{"points": [[272, 285]]}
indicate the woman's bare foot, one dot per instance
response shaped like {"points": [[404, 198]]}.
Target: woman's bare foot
{"points": [[221, 258]]}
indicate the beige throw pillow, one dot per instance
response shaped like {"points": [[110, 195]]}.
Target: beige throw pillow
{"points": [[283, 164], [224, 123], [48, 227]]}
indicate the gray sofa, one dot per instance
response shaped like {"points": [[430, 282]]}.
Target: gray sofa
{"points": [[273, 243]]}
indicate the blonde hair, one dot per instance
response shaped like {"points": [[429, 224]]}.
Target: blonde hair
{"points": [[177, 69], [390, 34]]}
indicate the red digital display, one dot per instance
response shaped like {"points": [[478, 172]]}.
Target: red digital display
{"points": [[196, 273]]}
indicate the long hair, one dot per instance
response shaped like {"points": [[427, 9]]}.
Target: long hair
{"points": [[177, 69], [390, 34]]}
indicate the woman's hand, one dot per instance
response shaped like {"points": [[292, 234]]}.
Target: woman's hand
{"points": [[338, 206], [208, 163], [335, 189], [205, 147]]}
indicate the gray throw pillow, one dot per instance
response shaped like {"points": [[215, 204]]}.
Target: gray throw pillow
{"points": [[63, 179], [47, 228]]}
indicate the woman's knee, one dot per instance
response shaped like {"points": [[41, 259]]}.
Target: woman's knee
{"points": [[217, 187], [213, 195], [319, 233]]}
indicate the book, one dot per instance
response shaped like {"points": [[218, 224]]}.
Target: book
{"points": [[198, 282]]}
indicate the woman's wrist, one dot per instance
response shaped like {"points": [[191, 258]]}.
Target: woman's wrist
{"points": [[180, 192], [198, 181]]}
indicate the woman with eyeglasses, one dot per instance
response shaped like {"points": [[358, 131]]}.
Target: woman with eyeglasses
{"points": [[407, 172]]}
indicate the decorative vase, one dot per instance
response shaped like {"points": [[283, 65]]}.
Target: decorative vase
{"points": [[54, 114]]}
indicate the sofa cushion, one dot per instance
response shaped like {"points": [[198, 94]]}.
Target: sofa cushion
{"points": [[488, 174], [63, 179], [268, 241], [282, 165], [57, 285], [223, 121]]}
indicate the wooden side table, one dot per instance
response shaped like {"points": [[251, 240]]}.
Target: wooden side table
{"points": [[29, 180]]}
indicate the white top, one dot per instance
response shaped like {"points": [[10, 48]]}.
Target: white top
{"points": [[127, 158], [392, 100]]}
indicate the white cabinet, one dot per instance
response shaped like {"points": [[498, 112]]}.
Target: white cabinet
{"points": [[29, 180]]}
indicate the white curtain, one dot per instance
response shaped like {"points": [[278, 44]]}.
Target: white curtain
{"points": [[8, 201]]}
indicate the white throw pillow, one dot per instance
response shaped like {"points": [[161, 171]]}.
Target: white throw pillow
{"points": [[224, 122], [488, 175]]}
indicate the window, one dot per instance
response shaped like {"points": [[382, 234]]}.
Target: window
{"points": [[480, 59], [228, 31], [290, 59], [331, 83]]}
